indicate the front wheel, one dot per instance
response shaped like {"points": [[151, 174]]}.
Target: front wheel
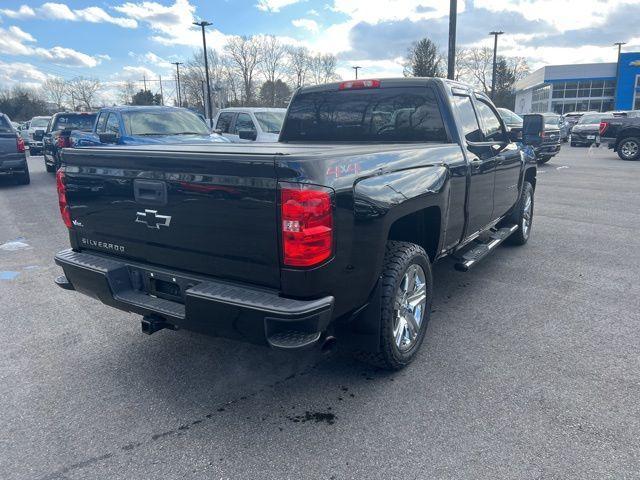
{"points": [[542, 160], [629, 148], [523, 216], [406, 303]]}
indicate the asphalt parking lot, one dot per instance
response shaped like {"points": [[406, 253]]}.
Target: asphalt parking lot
{"points": [[530, 368]]}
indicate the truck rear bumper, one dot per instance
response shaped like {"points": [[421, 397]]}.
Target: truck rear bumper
{"points": [[13, 162], [238, 311]]}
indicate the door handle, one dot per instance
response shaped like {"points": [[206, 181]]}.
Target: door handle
{"points": [[476, 163], [150, 192]]}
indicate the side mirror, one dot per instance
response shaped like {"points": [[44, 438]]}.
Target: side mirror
{"points": [[532, 129], [248, 135], [38, 134], [108, 137]]}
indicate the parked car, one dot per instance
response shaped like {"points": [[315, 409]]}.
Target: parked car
{"points": [[23, 130], [561, 123], [622, 135], [586, 131], [572, 118], [13, 158], [330, 233], [57, 135], [250, 124], [145, 126], [37, 127], [551, 139], [511, 119]]}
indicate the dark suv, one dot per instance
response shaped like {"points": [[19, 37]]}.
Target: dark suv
{"points": [[586, 131], [13, 160], [57, 134]]}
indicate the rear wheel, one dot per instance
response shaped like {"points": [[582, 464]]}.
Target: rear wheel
{"points": [[406, 303], [629, 148], [544, 159], [522, 216]]}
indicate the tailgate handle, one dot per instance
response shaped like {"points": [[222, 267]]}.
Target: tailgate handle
{"points": [[150, 192]]}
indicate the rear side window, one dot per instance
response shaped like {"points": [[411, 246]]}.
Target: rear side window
{"points": [[102, 123], [113, 126], [393, 114], [491, 121], [5, 125], [467, 116], [244, 122], [75, 122], [224, 122]]}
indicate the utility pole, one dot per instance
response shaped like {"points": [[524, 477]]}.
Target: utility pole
{"points": [[204, 101], [451, 58], [179, 94], [619, 44], [203, 24], [144, 79], [161, 92], [495, 56], [356, 69]]}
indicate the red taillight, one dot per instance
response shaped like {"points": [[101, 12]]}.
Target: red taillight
{"points": [[307, 224], [62, 198], [63, 142], [359, 84], [603, 127], [20, 144]]}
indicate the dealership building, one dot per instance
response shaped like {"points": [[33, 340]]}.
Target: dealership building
{"points": [[588, 87]]}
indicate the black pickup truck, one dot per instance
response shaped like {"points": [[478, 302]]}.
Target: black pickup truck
{"points": [[328, 234], [622, 134]]}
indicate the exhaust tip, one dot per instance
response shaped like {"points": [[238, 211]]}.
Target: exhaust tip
{"points": [[329, 345]]}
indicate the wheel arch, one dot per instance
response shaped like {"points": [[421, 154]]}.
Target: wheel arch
{"points": [[422, 227]]}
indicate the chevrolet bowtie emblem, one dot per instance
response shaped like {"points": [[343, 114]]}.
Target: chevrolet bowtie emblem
{"points": [[152, 220]]}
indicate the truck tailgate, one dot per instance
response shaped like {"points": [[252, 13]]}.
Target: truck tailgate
{"points": [[8, 144], [203, 212]]}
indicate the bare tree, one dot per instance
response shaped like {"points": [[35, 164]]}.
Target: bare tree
{"points": [[245, 54], [298, 63], [126, 92], [272, 59], [477, 64], [56, 89], [322, 68], [84, 90]]}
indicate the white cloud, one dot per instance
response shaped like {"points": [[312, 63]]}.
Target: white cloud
{"points": [[372, 69], [14, 41], [375, 12], [307, 24], [274, 5], [19, 73], [61, 11]]}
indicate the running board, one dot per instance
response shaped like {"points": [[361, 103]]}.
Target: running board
{"points": [[480, 248]]}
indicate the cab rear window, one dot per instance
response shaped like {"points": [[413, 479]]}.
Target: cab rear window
{"points": [[393, 114], [82, 122]]}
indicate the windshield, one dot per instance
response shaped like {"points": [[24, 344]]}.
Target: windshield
{"points": [[39, 122], [270, 122], [551, 120], [394, 114], [83, 122], [593, 118], [509, 117], [164, 122]]}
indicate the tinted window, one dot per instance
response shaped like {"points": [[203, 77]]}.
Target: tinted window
{"points": [[551, 120], [39, 123], [164, 122], [467, 116], [224, 122], [113, 125], [270, 122], [5, 125], [591, 118], [244, 122], [75, 122], [102, 123], [392, 114], [491, 120]]}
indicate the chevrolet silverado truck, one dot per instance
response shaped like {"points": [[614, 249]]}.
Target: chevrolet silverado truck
{"points": [[328, 234], [622, 135]]}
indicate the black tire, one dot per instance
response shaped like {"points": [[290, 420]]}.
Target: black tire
{"points": [[629, 149], [574, 144], [50, 168], [543, 159], [521, 235], [23, 178], [399, 257]]}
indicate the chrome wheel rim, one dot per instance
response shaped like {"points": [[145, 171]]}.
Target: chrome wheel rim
{"points": [[410, 306], [629, 149], [527, 215]]}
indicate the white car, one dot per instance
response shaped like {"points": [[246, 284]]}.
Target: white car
{"points": [[37, 127], [250, 124]]}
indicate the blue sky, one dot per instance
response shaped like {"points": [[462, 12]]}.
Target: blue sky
{"points": [[118, 40]]}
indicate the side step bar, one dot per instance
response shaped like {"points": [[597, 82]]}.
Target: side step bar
{"points": [[482, 247]]}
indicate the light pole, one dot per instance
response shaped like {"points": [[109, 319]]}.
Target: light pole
{"points": [[451, 58], [177, 64], [495, 54], [619, 44], [356, 69], [202, 25]]}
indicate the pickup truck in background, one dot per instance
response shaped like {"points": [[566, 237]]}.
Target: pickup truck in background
{"points": [[328, 234], [248, 124], [145, 125], [13, 158], [57, 135], [622, 134], [37, 127]]}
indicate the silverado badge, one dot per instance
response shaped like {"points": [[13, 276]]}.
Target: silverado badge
{"points": [[152, 220]]}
